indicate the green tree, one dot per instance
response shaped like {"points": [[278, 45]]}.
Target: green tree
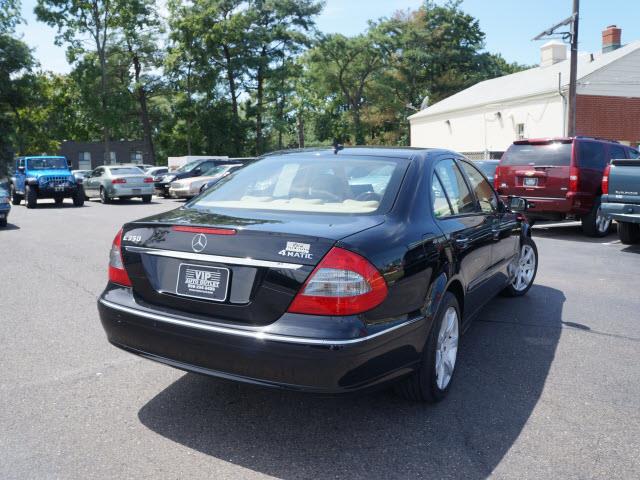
{"points": [[16, 63], [347, 65], [139, 30], [76, 20], [278, 32]]}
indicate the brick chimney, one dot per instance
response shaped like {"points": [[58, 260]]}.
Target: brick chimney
{"points": [[611, 39]]}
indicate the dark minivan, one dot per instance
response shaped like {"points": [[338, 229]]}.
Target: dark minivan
{"points": [[561, 176]]}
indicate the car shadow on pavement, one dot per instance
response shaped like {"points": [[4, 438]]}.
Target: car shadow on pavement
{"points": [[9, 226], [53, 205], [631, 249], [570, 232], [504, 361]]}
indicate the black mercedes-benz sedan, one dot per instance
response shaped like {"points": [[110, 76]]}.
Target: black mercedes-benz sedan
{"points": [[326, 271]]}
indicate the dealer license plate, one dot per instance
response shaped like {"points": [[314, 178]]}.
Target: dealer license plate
{"points": [[136, 190], [531, 182], [198, 281]]}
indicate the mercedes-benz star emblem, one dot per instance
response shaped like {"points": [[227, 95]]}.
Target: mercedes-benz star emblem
{"points": [[199, 242]]}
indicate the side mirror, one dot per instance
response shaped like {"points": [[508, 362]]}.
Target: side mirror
{"points": [[519, 204]]}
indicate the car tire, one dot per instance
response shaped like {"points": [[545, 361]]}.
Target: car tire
{"points": [[3, 222], [58, 200], [524, 270], [31, 197], [78, 197], [146, 199], [432, 381], [629, 233], [595, 224], [104, 196], [166, 195], [16, 198]]}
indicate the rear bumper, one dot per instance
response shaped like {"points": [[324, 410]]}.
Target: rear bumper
{"points": [[137, 191], [622, 212], [578, 203], [255, 355]]}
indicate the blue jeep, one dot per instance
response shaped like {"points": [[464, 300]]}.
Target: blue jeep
{"points": [[44, 177]]}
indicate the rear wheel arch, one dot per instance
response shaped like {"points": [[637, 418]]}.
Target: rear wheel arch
{"points": [[455, 287]]}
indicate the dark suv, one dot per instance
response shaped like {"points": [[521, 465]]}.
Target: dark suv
{"points": [[561, 176]]}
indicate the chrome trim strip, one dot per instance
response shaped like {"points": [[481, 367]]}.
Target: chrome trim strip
{"points": [[544, 198], [252, 262], [255, 334]]}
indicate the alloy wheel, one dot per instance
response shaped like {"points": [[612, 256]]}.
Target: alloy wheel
{"points": [[602, 222], [447, 348], [524, 269]]}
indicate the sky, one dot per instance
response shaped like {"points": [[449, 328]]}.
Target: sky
{"points": [[509, 25]]}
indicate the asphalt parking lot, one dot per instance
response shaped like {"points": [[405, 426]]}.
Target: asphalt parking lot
{"points": [[548, 385]]}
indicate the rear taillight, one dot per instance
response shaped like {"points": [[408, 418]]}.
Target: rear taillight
{"points": [[117, 273], [574, 179], [148, 180], [119, 180], [343, 283], [605, 180]]}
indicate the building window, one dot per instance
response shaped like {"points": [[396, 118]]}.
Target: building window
{"points": [[520, 131], [112, 158], [136, 157], [84, 161]]}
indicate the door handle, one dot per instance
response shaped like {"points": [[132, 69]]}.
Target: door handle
{"points": [[496, 234], [462, 242]]}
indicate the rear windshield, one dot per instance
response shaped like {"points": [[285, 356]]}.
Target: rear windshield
{"points": [[548, 154], [126, 171], [488, 168], [342, 184]]}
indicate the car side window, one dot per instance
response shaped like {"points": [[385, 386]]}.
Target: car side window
{"points": [[591, 155], [439, 201], [97, 172], [634, 153], [455, 187], [484, 193], [616, 152]]}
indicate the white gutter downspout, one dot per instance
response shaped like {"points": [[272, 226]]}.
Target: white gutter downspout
{"points": [[564, 105]]}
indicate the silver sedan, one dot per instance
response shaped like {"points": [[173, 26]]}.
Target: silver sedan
{"points": [[109, 182]]}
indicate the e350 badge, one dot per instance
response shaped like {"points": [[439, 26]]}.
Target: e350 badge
{"points": [[297, 250]]}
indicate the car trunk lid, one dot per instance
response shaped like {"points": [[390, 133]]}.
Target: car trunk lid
{"points": [[243, 268]]}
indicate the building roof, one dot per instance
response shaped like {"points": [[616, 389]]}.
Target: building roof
{"points": [[528, 83]]}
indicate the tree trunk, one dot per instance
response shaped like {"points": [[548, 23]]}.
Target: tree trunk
{"points": [[300, 130], [103, 101], [144, 111], [234, 100], [357, 127], [260, 100], [189, 110]]}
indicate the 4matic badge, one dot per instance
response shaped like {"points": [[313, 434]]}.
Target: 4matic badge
{"points": [[297, 250]]}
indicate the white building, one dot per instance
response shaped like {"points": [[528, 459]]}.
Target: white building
{"points": [[485, 119]]}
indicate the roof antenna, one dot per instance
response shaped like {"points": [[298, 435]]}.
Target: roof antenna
{"points": [[337, 147]]}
